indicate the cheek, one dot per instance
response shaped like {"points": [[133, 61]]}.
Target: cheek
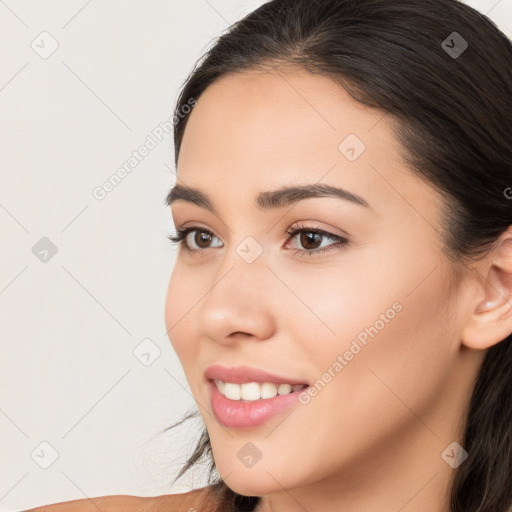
{"points": [[384, 292], [386, 338], [391, 355], [384, 385]]}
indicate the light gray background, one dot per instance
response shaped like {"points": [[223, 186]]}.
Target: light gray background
{"points": [[69, 325]]}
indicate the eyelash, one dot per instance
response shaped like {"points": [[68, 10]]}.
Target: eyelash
{"points": [[181, 235]]}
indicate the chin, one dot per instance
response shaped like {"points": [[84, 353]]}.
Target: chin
{"points": [[250, 484], [260, 479]]}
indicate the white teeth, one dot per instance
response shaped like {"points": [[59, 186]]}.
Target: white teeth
{"points": [[251, 391], [232, 391], [268, 390], [284, 389]]}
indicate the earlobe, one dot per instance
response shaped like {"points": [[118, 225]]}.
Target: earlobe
{"points": [[488, 327], [488, 305], [491, 319]]}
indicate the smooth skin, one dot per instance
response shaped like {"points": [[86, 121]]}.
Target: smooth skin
{"points": [[372, 439], [186, 502]]}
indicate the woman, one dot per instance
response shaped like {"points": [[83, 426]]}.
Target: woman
{"points": [[342, 297]]}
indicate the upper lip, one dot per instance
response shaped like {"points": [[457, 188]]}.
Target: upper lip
{"points": [[243, 374]]}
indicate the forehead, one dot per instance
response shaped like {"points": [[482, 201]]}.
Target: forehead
{"points": [[258, 130], [280, 112]]}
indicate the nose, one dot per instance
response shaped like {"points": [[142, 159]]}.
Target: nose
{"points": [[240, 304]]}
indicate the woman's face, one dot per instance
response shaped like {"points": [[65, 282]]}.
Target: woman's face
{"points": [[376, 313]]}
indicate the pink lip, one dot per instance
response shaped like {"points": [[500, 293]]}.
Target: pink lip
{"points": [[238, 414], [241, 374]]}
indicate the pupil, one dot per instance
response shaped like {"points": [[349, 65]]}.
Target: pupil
{"points": [[308, 236], [203, 237]]}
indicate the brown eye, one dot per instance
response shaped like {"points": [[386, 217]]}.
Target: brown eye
{"points": [[196, 239], [202, 238], [310, 240]]}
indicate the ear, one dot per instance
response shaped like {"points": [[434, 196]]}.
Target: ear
{"points": [[491, 318]]}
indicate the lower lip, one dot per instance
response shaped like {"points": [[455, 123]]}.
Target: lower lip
{"points": [[238, 414]]}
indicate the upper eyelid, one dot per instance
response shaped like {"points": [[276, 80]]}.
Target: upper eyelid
{"points": [[192, 225]]}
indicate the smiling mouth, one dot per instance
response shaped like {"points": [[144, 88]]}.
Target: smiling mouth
{"points": [[253, 391]]}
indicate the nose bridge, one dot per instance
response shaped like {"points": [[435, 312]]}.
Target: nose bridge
{"points": [[245, 265], [239, 298]]}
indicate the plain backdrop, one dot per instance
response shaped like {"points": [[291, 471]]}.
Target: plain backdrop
{"points": [[88, 375]]}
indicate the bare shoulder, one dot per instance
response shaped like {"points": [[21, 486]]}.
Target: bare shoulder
{"points": [[105, 503], [167, 503]]}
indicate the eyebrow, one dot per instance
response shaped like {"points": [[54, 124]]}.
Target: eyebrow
{"points": [[267, 200]]}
